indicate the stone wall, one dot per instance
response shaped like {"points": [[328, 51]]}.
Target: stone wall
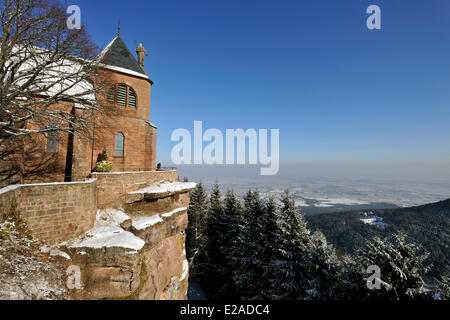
{"points": [[113, 187], [54, 212], [142, 256]]}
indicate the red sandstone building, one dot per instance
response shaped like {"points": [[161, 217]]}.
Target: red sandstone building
{"points": [[129, 138], [124, 230]]}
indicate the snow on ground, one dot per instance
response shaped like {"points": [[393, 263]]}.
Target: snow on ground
{"points": [[329, 202], [54, 252], [301, 203], [166, 187], [25, 273]]}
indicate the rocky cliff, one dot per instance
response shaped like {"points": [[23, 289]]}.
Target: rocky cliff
{"points": [[136, 247]]}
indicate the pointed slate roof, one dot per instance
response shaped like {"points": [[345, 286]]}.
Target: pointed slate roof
{"points": [[116, 54]]}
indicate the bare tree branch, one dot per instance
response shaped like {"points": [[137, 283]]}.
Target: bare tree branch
{"points": [[46, 70]]}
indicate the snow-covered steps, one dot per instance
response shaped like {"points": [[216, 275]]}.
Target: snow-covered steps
{"points": [[159, 190]]}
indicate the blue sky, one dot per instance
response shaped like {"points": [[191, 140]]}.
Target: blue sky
{"points": [[338, 92]]}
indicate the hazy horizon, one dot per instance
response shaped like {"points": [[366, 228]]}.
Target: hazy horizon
{"points": [[334, 186]]}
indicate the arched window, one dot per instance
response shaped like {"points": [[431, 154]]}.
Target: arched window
{"points": [[118, 145], [123, 96]]}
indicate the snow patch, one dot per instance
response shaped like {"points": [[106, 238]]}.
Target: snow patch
{"points": [[171, 213], [329, 202], [112, 217], [107, 233], [167, 187], [54, 252], [185, 270], [141, 223], [111, 236]]}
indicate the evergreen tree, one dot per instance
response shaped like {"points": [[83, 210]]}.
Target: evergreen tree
{"points": [[290, 263], [353, 280], [196, 238], [272, 242], [223, 228], [402, 270], [298, 243], [443, 286], [215, 232], [231, 214], [249, 248], [325, 269]]}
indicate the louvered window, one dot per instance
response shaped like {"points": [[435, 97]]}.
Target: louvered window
{"points": [[122, 95], [126, 96], [111, 95], [118, 145], [131, 98]]}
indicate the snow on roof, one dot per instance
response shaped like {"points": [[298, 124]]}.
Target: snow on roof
{"points": [[64, 76], [167, 187], [141, 223], [126, 71], [104, 51]]}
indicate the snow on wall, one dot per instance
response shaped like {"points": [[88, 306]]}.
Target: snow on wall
{"points": [[171, 213], [168, 187]]}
